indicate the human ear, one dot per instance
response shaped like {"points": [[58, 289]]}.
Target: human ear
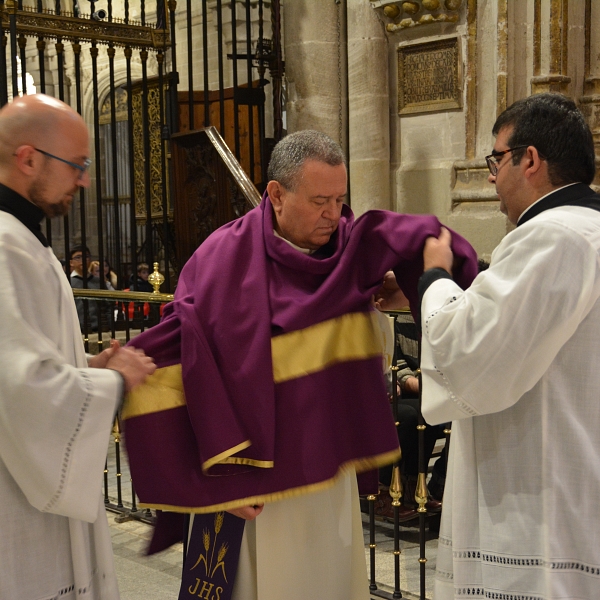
{"points": [[533, 162], [25, 161], [275, 191]]}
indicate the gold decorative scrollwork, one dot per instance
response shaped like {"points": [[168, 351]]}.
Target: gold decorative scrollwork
{"points": [[155, 155], [69, 27]]}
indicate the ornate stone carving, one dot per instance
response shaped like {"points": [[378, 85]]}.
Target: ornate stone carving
{"points": [[412, 13]]}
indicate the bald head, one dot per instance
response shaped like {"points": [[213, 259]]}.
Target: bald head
{"points": [[32, 119], [44, 146]]}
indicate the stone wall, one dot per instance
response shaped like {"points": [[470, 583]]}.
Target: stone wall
{"points": [[428, 156]]}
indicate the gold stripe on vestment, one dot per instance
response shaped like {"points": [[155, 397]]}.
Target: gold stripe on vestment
{"points": [[354, 336], [358, 465], [162, 390], [226, 458]]}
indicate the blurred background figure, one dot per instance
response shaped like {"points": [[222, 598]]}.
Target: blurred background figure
{"points": [[391, 297], [141, 283], [110, 276]]}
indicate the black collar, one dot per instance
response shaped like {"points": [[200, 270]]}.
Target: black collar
{"points": [[27, 212], [573, 195]]}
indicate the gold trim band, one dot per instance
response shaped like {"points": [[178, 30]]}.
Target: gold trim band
{"points": [[162, 390], [360, 465], [299, 353], [224, 457]]}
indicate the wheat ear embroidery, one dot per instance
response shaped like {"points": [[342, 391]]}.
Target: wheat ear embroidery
{"points": [[218, 525], [220, 563], [206, 544]]}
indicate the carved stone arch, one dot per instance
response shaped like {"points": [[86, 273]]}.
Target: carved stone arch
{"points": [[104, 88]]}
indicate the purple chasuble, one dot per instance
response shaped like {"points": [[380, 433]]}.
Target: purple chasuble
{"points": [[282, 385]]}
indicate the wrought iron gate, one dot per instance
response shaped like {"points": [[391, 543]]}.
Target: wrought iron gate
{"points": [[139, 72]]}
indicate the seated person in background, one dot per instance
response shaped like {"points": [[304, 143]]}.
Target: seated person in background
{"points": [[141, 283], [110, 276], [391, 297], [77, 281], [94, 271]]}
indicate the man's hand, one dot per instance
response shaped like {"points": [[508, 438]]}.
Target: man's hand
{"points": [[100, 360], [437, 252], [249, 513], [389, 296], [132, 364]]}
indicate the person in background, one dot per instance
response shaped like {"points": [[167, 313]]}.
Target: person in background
{"points": [[141, 283], [85, 308], [110, 276], [94, 271], [391, 297]]}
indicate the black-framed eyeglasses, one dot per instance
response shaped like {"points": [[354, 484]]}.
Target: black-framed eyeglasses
{"points": [[81, 168], [493, 160]]}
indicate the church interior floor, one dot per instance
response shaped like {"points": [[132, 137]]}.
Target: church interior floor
{"points": [[158, 576]]}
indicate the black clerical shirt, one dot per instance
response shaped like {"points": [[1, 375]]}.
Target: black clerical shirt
{"points": [[28, 213]]}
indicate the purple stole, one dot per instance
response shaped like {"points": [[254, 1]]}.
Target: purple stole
{"points": [[212, 557]]}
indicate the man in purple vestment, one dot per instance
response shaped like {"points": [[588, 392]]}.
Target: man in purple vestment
{"points": [[269, 395]]}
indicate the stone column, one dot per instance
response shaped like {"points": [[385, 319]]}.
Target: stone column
{"points": [[550, 46], [369, 108], [590, 101], [474, 212], [312, 66]]}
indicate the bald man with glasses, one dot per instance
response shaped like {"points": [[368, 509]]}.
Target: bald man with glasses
{"points": [[56, 409]]}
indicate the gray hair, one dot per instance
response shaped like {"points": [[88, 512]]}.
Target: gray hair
{"points": [[290, 154]]}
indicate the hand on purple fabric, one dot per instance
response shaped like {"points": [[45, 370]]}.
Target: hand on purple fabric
{"points": [[437, 252], [100, 360], [249, 513], [133, 365], [389, 296]]}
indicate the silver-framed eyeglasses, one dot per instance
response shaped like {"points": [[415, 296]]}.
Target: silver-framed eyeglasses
{"points": [[81, 168], [493, 160]]}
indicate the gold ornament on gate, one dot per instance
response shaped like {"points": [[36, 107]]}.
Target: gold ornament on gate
{"points": [[421, 493], [431, 4], [156, 279], [396, 490]]}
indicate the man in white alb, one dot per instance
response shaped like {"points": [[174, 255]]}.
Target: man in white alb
{"points": [[56, 412], [513, 362]]}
